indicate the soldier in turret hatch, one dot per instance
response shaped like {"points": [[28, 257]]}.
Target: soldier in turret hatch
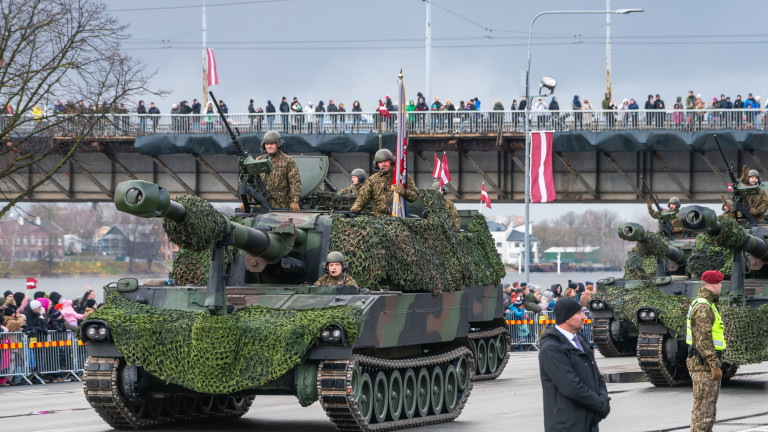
{"points": [[284, 182], [674, 207], [758, 203], [336, 266], [727, 207], [359, 176], [451, 206], [379, 188]]}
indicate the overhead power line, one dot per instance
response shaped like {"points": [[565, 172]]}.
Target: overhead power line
{"points": [[197, 6]]}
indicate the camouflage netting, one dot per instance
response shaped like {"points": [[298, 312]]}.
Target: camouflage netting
{"points": [[200, 235], [643, 258], [218, 354], [191, 268], [745, 328], [716, 251], [424, 255]]}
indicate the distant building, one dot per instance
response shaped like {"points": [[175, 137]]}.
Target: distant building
{"points": [[117, 240], [73, 244], [38, 240], [510, 242]]}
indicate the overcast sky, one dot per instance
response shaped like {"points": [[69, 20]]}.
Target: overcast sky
{"points": [[352, 49]]}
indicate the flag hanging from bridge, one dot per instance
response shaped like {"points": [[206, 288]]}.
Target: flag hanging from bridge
{"points": [[213, 77], [441, 171], [399, 208], [436, 171], [542, 181], [484, 197]]}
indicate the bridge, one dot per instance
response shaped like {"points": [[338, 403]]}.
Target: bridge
{"points": [[599, 156]]}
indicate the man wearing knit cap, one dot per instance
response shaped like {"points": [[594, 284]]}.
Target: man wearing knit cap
{"points": [[575, 395], [706, 342]]}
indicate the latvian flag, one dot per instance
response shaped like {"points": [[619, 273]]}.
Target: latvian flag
{"points": [[542, 182], [484, 197], [31, 283], [213, 77], [441, 172]]}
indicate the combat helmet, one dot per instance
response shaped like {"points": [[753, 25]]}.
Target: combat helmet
{"points": [[335, 256], [675, 201], [436, 186], [361, 175], [272, 137], [381, 156], [753, 173]]}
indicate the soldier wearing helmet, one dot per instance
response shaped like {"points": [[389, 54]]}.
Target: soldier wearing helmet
{"points": [[378, 188], [727, 207], [284, 182], [449, 204], [758, 203], [669, 214], [359, 176], [336, 267]]}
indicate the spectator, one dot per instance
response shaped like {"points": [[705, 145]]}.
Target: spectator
{"points": [[557, 291], [658, 104], [155, 113], [541, 113], [174, 118], [210, 118], [677, 116], [251, 111], [738, 104], [633, 116], [519, 332], [750, 103], [570, 292], [341, 117], [356, 117], [186, 110], [392, 112], [699, 115], [68, 313], [547, 300], [531, 304], [589, 291], [649, 111], [142, 112], [90, 306], [34, 318], [586, 106], [606, 106], [690, 101], [450, 108], [575, 395], [320, 117], [196, 107], [13, 320], [332, 110], [436, 106], [285, 109], [554, 107], [422, 107], [270, 115], [758, 114], [577, 116], [310, 110], [506, 294], [224, 107], [296, 111]]}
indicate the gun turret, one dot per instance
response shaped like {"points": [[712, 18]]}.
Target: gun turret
{"points": [[636, 233], [202, 228], [699, 218]]}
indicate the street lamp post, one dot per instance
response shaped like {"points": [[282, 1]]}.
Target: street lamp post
{"points": [[527, 126]]}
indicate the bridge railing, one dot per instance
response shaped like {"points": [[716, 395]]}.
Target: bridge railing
{"points": [[418, 122]]}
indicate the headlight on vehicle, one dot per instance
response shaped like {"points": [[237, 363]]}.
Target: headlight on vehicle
{"points": [[597, 305], [332, 334], [96, 331], [651, 315], [647, 315]]}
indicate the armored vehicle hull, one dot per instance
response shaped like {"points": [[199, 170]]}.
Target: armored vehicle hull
{"points": [[403, 350]]}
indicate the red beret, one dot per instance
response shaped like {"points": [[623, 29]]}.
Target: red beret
{"points": [[712, 277]]}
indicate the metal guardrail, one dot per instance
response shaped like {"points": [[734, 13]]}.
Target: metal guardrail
{"points": [[26, 358], [418, 122], [526, 333]]}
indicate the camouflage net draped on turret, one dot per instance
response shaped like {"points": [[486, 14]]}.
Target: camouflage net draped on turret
{"points": [[424, 255], [201, 235], [745, 328], [643, 258], [218, 353], [715, 252], [191, 267]]}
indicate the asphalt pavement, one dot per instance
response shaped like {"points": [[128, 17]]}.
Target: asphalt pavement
{"points": [[511, 402]]}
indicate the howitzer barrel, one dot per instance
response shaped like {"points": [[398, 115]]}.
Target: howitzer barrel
{"points": [[200, 229], [635, 232], [698, 218]]}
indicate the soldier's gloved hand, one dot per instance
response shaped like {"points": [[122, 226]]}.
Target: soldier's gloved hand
{"points": [[717, 374], [354, 209], [753, 211], [295, 206], [398, 188], [649, 204]]}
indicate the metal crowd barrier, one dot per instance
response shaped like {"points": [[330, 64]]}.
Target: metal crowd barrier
{"points": [[526, 333], [54, 353], [417, 122]]}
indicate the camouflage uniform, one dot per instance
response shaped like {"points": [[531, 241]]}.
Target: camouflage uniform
{"points": [[758, 202], [354, 189], [342, 279], [705, 391], [454, 213], [677, 229], [284, 182], [378, 189]]}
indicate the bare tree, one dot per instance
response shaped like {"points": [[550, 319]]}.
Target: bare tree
{"points": [[57, 50]]}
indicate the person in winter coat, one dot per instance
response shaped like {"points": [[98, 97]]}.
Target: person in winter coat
{"points": [[575, 395], [285, 109], [69, 314], [530, 301], [577, 117], [35, 322], [332, 110], [270, 115], [589, 291], [586, 106], [356, 117]]}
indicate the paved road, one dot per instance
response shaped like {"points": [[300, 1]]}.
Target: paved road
{"points": [[512, 402]]}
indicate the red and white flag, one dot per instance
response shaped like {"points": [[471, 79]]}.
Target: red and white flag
{"points": [[399, 208], [436, 171], [382, 110], [484, 197], [542, 181], [445, 173], [213, 77], [31, 283]]}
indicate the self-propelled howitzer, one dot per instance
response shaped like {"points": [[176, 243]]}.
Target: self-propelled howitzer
{"points": [[636, 233], [390, 355]]}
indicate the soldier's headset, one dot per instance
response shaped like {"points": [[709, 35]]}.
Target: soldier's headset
{"points": [[344, 267], [280, 145]]}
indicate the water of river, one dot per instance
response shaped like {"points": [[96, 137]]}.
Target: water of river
{"points": [[74, 287]]}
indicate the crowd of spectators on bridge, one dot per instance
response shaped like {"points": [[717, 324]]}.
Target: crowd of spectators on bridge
{"points": [[35, 317]]}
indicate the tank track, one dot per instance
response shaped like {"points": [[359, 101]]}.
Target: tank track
{"points": [[487, 335], [601, 336], [650, 356], [103, 393], [335, 389]]}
